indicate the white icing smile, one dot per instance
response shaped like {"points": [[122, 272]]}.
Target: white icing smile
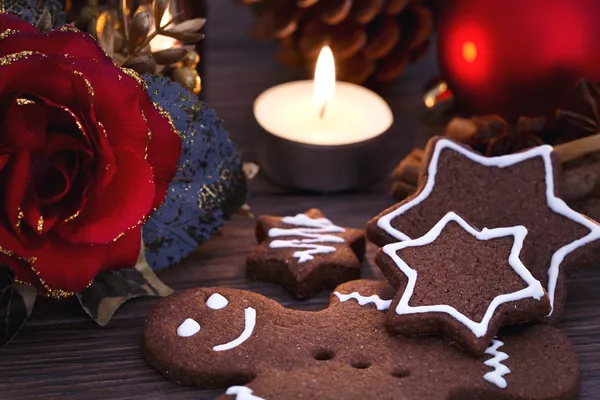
{"points": [[249, 323], [216, 301]]}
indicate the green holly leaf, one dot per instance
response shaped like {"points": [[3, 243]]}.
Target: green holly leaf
{"points": [[111, 289], [16, 304]]}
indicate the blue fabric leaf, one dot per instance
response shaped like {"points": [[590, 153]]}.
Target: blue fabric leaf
{"points": [[31, 10], [209, 184]]}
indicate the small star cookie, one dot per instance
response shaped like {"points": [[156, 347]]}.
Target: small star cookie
{"points": [[490, 192], [461, 283], [305, 253]]}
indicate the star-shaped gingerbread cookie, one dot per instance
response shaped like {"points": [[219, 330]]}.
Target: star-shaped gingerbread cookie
{"points": [[461, 283], [517, 189], [305, 253]]}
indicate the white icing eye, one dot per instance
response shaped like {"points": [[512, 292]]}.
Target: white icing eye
{"points": [[216, 301], [189, 327]]}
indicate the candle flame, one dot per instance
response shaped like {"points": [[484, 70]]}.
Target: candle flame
{"points": [[161, 42], [324, 84]]}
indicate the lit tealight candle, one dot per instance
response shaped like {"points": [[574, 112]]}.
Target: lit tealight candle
{"points": [[319, 132]]}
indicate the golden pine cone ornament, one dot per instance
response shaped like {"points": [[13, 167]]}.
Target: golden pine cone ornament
{"points": [[369, 38]]}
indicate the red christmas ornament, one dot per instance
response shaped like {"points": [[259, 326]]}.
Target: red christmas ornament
{"points": [[515, 57]]}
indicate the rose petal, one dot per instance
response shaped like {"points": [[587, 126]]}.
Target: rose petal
{"points": [[74, 160], [21, 269], [33, 217], [28, 73], [121, 206], [164, 150], [71, 267], [73, 44], [119, 114], [18, 130], [3, 161], [15, 188], [68, 121], [91, 132], [124, 252], [52, 183], [10, 21]]}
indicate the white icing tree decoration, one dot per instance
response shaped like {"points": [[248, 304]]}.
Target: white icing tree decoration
{"points": [[313, 232]]}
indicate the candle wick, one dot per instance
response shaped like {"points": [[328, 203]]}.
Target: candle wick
{"points": [[322, 111]]}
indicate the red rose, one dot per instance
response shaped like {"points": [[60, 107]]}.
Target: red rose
{"points": [[85, 157]]}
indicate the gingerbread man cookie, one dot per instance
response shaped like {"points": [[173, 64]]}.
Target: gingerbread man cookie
{"points": [[461, 283], [491, 192], [253, 348], [305, 253]]}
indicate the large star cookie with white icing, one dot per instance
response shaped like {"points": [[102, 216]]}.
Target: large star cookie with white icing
{"points": [[461, 283], [253, 348], [491, 192], [305, 253]]}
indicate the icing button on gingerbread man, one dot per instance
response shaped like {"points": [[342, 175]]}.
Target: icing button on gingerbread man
{"points": [[461, 283], [305, 253]]}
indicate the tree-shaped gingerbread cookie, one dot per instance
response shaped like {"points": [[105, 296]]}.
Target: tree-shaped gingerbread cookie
{"points": [[305, 253]]}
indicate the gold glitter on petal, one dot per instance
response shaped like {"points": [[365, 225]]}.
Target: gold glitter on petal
{"points": [[7, 33], [102, 128], [72, 217], [88, 84], [40, 225], [20, 282], [10, 253], [149, 137], [136, 225], [6, 252], [166, 115], [68, 28], [131, 73], [11, 58], [48, 291], [20, 216], [24, 102]]}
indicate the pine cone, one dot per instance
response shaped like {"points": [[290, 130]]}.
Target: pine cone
{"points": [[369, 38]]}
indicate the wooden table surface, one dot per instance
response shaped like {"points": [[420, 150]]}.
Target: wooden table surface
{"points": [[61, 354]]}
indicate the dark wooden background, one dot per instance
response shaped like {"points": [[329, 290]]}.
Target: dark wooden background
{"points": [[61, 354]]}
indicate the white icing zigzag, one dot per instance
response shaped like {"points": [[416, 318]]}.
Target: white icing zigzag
{"points": [[242, 393], [362, 300], [313, 230], [496, 376]]}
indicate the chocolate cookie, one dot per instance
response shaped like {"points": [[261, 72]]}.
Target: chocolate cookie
{"points": [[517, 189], [249, 345], [461, 283], [305, 253]]}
